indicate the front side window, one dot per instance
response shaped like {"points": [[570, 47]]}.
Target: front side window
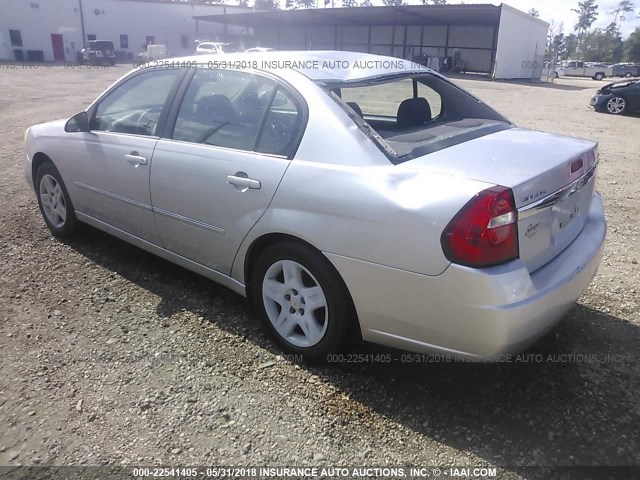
{"points": [[135, 106], [124, 41]]}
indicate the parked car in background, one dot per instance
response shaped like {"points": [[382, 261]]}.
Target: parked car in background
{"points": [[618, 98], [258, 49], [210, 48], [626, 70], [153, 52], [557, 71], [98, 52], [388, 203], [581, 69]]}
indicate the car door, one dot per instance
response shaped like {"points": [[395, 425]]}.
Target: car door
{"points": [[634, 97], [112, 161], [234, 136]]}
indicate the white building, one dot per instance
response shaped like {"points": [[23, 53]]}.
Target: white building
{"points": [[496, 40], [55, 30]]}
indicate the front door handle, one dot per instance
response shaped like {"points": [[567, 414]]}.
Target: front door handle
{"points": [[242, 182], [134, 159]]}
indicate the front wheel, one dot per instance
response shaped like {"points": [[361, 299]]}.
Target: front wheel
{"points": [[302, 301], [616, 105], [598, 76], [53, 199], [628, 75]]}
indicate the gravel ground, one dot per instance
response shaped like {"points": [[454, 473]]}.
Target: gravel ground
{"points": [[112, 356]]}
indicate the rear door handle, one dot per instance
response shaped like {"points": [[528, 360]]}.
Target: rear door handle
{"points": [[241, 181], [134, 159]]}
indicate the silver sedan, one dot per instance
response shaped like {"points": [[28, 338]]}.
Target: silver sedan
{"points": [[345, 194]]}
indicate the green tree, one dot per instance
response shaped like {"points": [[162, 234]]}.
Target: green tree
{"points": [[295, 4], [557, 47], [266, 4], [603, 45], [570, 46], [534, 13], [366, 3], [350, 3], [434, 2], [587, 14], [621, 10], [393, 3], [632, 47]]}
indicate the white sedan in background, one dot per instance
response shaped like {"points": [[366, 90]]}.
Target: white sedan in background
{"points": [[343, 193]]}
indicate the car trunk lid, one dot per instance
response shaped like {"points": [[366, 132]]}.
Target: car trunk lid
{"points": [[552, 178]]}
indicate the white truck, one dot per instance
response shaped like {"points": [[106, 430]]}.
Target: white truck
{"points": [[583, 69], [153, 52]]}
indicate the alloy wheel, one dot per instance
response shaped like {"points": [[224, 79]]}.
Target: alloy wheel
{"points": [[616, 105], [295, 303], [53, 202]]}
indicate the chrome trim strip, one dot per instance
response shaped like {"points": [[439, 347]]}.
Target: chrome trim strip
{"points": [[189, 221], [129, 201], [550, 200]]}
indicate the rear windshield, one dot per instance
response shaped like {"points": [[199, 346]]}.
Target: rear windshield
{"points": [[413, 115]]}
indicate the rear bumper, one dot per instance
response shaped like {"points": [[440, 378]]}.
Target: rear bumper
{"points": [[473, 312]]}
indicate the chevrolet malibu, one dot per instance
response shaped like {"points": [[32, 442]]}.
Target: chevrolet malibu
{"points": [[344, 194]]}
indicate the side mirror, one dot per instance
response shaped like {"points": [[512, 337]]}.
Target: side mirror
{"points": [[77, 123]]}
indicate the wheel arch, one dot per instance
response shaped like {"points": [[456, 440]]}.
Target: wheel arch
{"points": [[36, 162], [268, 240]]}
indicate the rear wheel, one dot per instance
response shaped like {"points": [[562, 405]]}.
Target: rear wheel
{"points": [[302, 300], [628, 75], [616, 105], [53, 199], [598, 76]]}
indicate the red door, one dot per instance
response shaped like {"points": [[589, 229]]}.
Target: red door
{"points": [[58, 47]]}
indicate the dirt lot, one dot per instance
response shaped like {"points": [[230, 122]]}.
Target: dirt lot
{"points": [[112, 356]]}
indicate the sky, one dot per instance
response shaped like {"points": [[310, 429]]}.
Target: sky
{"points": [[560, 11]]}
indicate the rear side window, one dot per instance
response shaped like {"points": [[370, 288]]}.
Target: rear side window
{"points": [[282, 125], [238, 110], [223, 108]]}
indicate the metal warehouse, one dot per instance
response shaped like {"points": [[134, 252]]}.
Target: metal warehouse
{"points": [[497, 40]]}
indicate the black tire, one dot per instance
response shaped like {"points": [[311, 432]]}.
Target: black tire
{"points": [[339, 305], [617, 105], [598, 76], [555, 75], [628, 75], [70, 223]]}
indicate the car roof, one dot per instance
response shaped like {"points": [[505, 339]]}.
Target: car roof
{"points": [[324, 66]]}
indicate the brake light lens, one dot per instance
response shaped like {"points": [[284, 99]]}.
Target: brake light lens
{"points": [[485, 232]]}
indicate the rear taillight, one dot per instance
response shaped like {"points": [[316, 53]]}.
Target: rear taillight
{"points": [[485, 231]]}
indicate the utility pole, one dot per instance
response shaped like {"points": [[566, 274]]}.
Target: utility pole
{"points": [[84, 38]]}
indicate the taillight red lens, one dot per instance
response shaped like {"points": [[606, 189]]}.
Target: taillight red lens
{"points": [[485, 231]]}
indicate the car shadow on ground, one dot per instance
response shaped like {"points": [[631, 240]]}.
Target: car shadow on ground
{"points": [[568, 400]]}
